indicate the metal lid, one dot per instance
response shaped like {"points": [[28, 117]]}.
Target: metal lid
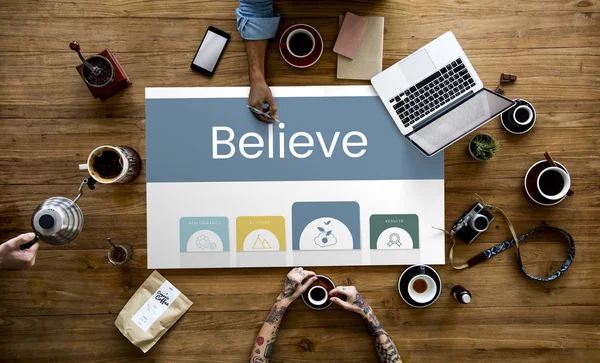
{"points": [[57, 220]]}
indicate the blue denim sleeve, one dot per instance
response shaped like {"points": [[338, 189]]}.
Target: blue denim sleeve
{"points": [[255, 19]]}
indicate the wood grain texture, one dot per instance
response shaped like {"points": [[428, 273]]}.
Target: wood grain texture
{"points": [[64, 308]]}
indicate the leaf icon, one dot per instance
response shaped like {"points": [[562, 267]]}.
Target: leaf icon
{"points": [[328, 233], [326, 223], [321, 229]]}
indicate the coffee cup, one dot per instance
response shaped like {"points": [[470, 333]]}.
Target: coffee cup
{"points": [[419, 286], [422, 288], [113, 164], [522, 115], [520, 118], [553, 183], [317, 295], [300, 43]]}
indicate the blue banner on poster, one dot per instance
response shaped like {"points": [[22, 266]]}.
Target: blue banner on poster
{"points": [[319, 138]]}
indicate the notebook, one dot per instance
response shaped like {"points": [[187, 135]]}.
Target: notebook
{"points": [[350, 35], [369, 57]]}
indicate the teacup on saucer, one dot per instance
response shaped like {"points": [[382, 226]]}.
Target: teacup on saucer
{"points": [[317, 295], [520, 118], [302, 57], [532, 179], [419, 286]]}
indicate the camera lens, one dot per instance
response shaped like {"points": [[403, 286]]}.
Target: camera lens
{"points": [[479, 223]]}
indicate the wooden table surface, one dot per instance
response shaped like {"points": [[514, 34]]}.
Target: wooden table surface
{"points": [[63, 309]]}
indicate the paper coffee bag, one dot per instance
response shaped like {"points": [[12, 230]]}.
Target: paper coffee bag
{"points": [[151, 311]]}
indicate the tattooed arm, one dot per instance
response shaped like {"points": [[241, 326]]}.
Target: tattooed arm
{"points": [[292, 289], [385, 347]]}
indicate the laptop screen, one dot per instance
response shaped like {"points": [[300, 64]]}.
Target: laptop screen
{"points": [[458, 122]]}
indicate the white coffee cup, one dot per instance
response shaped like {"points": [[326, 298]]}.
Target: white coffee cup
{"points": [[522, 121], [566, 178], [424, 296], [294, 32], [129, 160], [314, 301]]}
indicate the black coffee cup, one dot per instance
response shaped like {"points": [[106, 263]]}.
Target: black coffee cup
{"points": [[520, 118], [300, 43]]}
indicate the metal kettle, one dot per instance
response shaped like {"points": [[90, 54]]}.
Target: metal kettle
{"points": [[57, 220]]}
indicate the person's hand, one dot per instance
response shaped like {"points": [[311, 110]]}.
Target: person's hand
{"points": [[13, 258], [296, 282], [350, 299], [260, 94]]}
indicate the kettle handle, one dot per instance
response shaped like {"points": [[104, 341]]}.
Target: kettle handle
{"points": [[90, 182], [27, 245]]}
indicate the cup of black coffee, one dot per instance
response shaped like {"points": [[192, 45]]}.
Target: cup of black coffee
{"points": [[100, 76], [520, 118], [522, 115], [113, 164], [300, 43], [553, 183], [317, 295]]}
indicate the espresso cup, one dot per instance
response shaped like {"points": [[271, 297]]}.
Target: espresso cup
{"points": [[553, 183], [522, 115], [419, 286], [113, 164], [520, 118], [317, 295], [422, 288], [298, 43]]}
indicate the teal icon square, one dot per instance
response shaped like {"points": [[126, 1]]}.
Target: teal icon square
{"points": [[204, 234]]}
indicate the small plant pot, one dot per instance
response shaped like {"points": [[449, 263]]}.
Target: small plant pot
{"points": [[471, 144]]}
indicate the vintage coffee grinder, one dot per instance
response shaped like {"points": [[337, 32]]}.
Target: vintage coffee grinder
{"points": [[102, 73], [57, 220]]}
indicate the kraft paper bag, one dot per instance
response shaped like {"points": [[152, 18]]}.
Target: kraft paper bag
{"points": [[151, 311]]}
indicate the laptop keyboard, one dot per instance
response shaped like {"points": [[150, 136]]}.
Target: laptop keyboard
{"points": [[432, 93]]}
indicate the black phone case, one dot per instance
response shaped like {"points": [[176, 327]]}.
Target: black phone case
{"points": [[205, 71]]}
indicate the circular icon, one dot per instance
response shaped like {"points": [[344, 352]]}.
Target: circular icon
{"points": [[394, 238], [204, 241], [326, 234]]}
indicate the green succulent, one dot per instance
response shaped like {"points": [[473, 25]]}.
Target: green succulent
{"points": [[483, 146]]}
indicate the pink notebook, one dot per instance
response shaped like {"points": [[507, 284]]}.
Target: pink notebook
{"points": [[350, 35]]}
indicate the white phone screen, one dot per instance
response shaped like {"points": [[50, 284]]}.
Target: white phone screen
{"points": [[209, 51]]}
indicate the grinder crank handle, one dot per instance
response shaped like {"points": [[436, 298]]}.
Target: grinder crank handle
{"points": [[27, 245]]}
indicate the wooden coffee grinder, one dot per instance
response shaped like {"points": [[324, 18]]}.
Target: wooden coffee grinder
{"points": [[102, 73]]}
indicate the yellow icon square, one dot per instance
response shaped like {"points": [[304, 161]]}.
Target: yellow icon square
{"points": [[260, 234]]}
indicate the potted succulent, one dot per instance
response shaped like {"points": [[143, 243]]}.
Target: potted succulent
{"points": [[483, 147]]}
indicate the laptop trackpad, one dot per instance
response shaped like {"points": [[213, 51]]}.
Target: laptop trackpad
{"points": [[417, 67]]}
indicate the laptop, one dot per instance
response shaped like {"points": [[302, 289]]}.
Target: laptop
{"points": [[435, 96]]}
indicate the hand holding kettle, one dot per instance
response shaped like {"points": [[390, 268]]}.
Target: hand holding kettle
{"points": [[57, 220], [12, 257]]}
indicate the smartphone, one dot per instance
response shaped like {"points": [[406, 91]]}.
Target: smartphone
{"points": [[210, 50]]}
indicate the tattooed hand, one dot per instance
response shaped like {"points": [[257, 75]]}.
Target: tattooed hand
{"points": [[385, 347], [294, 286], [353, 300]]}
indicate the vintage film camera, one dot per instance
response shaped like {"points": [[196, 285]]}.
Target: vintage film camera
{"points": [[472, 223]]}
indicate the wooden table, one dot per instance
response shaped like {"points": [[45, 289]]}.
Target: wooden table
{"points": [[63, 309]]}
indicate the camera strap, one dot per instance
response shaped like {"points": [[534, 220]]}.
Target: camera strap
{"points": [[503, 246]]}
